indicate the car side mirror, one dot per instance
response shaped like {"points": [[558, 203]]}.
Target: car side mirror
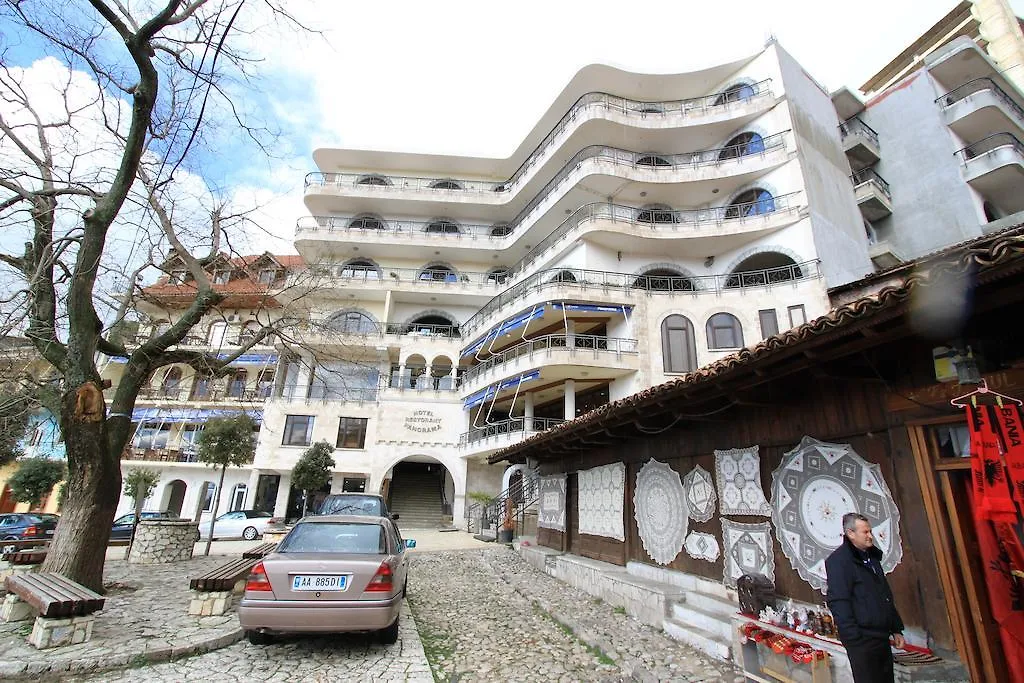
{"points": [[410, 543], [394, 517]]}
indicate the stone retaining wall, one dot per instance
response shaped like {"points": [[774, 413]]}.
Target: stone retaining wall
{"points": [[161, 541]]}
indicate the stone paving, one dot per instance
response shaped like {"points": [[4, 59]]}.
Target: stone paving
{"points": [[488, 615]]}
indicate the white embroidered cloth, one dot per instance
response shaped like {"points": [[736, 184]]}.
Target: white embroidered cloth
{"points": [[602, 490], [660, 510], [814, 486], [739, 482], [748, 550], [551, 514], [700, 494], [701, 546]]}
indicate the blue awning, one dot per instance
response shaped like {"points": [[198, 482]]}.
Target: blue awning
{"points": [[244, 359], [169, 415], [592, 308], [489, 393], [521, 320]]}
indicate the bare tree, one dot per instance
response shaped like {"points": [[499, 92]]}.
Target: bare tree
{"points": [[92, 169]]}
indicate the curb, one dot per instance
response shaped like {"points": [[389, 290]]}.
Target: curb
{"points": [[59, 669]]}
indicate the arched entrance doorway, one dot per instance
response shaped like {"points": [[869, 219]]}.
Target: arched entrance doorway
{"points": [[421, 491], [175, 497]]}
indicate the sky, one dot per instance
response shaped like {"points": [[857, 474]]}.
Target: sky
{"points": [[472, 78]]}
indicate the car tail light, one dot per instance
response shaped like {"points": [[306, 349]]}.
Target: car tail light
{"points": [[382, 581], [258, 580], [31, 531]]}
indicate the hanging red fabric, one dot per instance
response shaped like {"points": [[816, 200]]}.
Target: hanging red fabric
{"points": [[992, 493], [1012, 431]]}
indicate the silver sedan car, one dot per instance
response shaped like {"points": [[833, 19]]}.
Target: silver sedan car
{"points": [[330, 574]]}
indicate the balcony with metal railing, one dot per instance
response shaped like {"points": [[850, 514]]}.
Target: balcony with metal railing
{"points": [[980, 108], [994, 166], [872, 193], [860, 142], [505, 432]]}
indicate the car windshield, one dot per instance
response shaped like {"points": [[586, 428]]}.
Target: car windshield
{"points": [[258, 513], [334, 537], [352, 505]]}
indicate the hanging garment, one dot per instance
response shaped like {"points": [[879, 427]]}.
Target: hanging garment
{"points": [[992, 493], [1010, 428]]}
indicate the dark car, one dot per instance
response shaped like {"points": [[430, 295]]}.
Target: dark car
{"points": [[366, 504], [27, 526], [122, 528]]}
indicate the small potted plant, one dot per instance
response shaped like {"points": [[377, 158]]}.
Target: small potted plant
{"points": [[508, 523]]}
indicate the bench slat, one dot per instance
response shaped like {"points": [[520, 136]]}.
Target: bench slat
{"points": [[223, 577], [77, 599], [260, 550], [54, 595]]}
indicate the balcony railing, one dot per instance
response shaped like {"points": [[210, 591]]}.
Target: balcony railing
{"points": [[517, 425], [418, 276], [367, 328], [614, 345], [856, 126], [987, 145], [868, 175], [628, 282], [181, 453], [234, 391], [980, 85]]}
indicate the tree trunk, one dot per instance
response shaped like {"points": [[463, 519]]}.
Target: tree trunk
{"points": [[216, 508], [78, 550]]}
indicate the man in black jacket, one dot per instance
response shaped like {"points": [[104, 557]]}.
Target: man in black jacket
{"points": [[861, 602]]}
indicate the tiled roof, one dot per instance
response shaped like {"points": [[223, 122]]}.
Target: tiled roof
{"points": [[238, 286], [982, 254]]}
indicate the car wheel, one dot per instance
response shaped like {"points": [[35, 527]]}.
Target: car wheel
{"points": [[259, 638], [389, 635], [11, 538], [250, 533]]}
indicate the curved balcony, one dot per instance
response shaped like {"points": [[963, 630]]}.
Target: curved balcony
{"points": [[506, 432], [556, 348], [979, 108], [319, 332], [994, 166], [713, 163]]}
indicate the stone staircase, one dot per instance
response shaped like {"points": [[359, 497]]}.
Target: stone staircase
{"points": [[703, 621], [416, 499]]}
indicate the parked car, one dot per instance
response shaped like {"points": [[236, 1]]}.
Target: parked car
{"points": [[331, 573], [27, 526], [247, 524], [122, 527], [355, 504]]}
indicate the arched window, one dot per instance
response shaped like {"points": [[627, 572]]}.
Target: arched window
{"points": [[755, 202], [438, 272], [359, 269], [236, 387], [736, 93], [373, 180], [265, 384], [498, 275], [366, 221], [352, 322], [172, 383], [445, 225], [678, 344], [500, 229], [249, 332], [433, 325], [650, 108], [765, 268], [652, 160], [724, 332], [446, 184], [215, 335], [742, 145], [657, 213], [202, 387], [663, 280], [563, 276]]}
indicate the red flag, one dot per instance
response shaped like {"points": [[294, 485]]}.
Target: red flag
{"points": [[992, 494]]}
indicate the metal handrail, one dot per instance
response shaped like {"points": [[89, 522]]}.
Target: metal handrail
{"points": [[427, 276], [320, 392], [524, 493], [868, 175], [614, 103], [511, 426], [616, 345], [856, 125], [627, 282], [368, 328], [977, 85], [990, 144]]}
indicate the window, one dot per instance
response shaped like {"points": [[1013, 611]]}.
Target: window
{"points": [[724, 332], [367, 222], [221, 277], [211, 488], [736, 93], [298, 430], [236, 387], [189, 437], [657, 213], [265, 384], [445, 185], [352, 432], [267, 276], [202, 387], [249, 332], [501, 229], [373, 180], [172, 383], [797, 315], [438, 273], [664, 280], [756, 202], [238, 496], [677, 344], [352, 322], [742, 145], [769, 323], [444, 225], [152, 435], [564, 276], [652, 160], [177, 277], [215, 336], [497, 276], [360, 269]]}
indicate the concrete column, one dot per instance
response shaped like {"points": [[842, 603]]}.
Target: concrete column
{"points": [[570, 333], [250, 488], [570, 399], [303, 377], [281, 504], [528, 412]]}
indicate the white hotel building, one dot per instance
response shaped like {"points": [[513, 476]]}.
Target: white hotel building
{"points": [[646, 226]]}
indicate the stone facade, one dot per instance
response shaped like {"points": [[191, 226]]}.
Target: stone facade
{"points": [[162, 541], [47, 633], [210, 603]]}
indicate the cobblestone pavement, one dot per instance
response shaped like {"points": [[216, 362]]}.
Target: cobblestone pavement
{"points": [[489, 616]]}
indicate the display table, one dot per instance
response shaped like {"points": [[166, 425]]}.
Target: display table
{"points": [[763, 665]]}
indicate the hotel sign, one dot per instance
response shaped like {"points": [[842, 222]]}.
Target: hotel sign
{"points": [[423, 421]]}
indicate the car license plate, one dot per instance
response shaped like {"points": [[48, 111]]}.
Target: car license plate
{"points": [[319, 582]]}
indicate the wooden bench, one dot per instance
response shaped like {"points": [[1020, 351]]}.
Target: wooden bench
{"points": [[64, 608], [259, 551], [213, 590], [23, 557]]}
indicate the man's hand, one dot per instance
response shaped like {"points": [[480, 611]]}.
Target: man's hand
{"points": [[898, 640]]}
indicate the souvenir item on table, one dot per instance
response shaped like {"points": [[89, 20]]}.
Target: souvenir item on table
{"points": [[755, 593], [660, 510], [701, 546], [814, 486], [738, 472], [602, 490], [551, 514], [700, 494], [747, 549]]}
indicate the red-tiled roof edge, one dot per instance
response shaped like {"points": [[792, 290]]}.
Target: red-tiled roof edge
{"points": [[983, 253]]}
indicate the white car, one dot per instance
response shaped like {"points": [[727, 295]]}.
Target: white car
{"points": [[247, 524]]}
